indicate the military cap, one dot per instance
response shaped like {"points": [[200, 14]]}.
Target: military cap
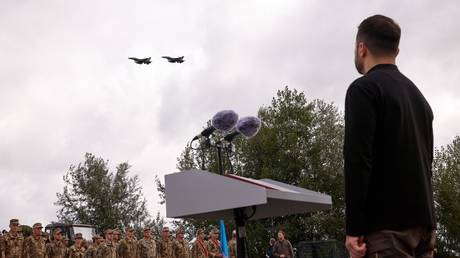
{"points": [[180, 230], [96, 236], [37, 225], [147, 229], [108, 231], [199, 231], [165, 229], [116, 231], [56, 231], [78, 236], [14, 222], [128, 229], [215, 231]]}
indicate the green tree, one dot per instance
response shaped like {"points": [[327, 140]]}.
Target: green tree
{"points": [[93, 195], [446, 179], [301, 144]]}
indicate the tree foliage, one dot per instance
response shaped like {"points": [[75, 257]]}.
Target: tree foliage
{"points": [[300, 143], [446, 179], [93, 195]]}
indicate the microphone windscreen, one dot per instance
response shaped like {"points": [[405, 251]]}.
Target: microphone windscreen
{"points": [[224, 120], [248, 126]]}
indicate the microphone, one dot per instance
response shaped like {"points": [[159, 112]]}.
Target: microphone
{"points": [[247, 126], [205, 133], [224, 120]]}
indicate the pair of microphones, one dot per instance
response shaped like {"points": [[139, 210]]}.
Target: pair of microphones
{"points": [[227, 121]]}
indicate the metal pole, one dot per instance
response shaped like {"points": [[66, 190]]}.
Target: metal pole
{"points": [[240, 222], [219, 158]]}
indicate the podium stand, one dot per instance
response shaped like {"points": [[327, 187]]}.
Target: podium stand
{"points": [[200, 194]]}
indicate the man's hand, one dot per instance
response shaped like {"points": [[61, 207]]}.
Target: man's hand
{"points": [[356, 247]]}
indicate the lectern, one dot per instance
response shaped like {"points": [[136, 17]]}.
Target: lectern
{"points": [[200, 194]]}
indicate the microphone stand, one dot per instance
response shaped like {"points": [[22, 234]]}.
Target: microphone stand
{"points": [[239, 214]]}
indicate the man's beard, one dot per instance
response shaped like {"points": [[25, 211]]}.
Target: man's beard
{"points": [[359, 65]]}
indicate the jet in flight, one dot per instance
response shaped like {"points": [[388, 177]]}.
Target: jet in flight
{"points": [[141, 60], [175, 59]]}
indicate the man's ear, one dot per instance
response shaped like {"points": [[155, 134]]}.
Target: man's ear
{"points": [[362, 49]]}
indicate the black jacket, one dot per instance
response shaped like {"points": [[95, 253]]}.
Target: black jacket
{"points": [[388, 152]]}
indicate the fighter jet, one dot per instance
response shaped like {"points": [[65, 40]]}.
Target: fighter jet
{"points": [[141, 60], [175, 59]]}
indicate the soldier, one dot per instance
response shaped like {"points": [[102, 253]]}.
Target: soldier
{"points": [[34, 245], [12, 242], [107, 248], [92, 249], [165, 245], [128, 246], [146, 247], [56, 249], [232, 245], [214, 244], [181, 247], [77, 250], [200, 247], [116, 238]]}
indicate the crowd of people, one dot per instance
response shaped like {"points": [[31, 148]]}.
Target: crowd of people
{"points": [[114, 244]]}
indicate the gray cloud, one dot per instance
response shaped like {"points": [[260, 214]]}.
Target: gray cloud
{"points": [[67, 87]]}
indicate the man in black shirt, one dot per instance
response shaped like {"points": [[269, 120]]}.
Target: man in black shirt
{"points": [[388, 152]]}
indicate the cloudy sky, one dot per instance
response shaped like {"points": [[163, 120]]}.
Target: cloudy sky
{"points": [[67, 87]]}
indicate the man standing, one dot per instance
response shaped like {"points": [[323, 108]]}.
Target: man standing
{"points": [[77, 250], [214, 244], [91, 252], [34, 245], [116, 238], [165, 245], [128, 246], [146, 247], [181, 248], [57, 248], [107, 248], [232, 245], [200, 247], [282, 248], [12, 242], [388, 152]]}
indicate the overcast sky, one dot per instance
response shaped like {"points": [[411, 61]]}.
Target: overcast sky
{"points": [[67, 87]]}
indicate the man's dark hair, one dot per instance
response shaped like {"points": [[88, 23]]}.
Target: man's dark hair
{"points": [[380, 34]]}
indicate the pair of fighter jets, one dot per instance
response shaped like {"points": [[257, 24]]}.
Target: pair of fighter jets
{"points": [[148, 59]]}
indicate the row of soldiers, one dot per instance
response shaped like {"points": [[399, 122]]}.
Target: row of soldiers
{"points": [[13, 245]]}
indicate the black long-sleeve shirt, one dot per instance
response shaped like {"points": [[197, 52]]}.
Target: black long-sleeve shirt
{"points": [[388, 152]]}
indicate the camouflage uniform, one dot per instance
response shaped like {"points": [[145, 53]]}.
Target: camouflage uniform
{"points": [[92, 249], [56, 249], [127, 248], [146, 248], [34, 247], [181, 249], [165, 248], [106, 249], [200, 249], [76, 252], [232, 248], [11, 245], [213, 247]]}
